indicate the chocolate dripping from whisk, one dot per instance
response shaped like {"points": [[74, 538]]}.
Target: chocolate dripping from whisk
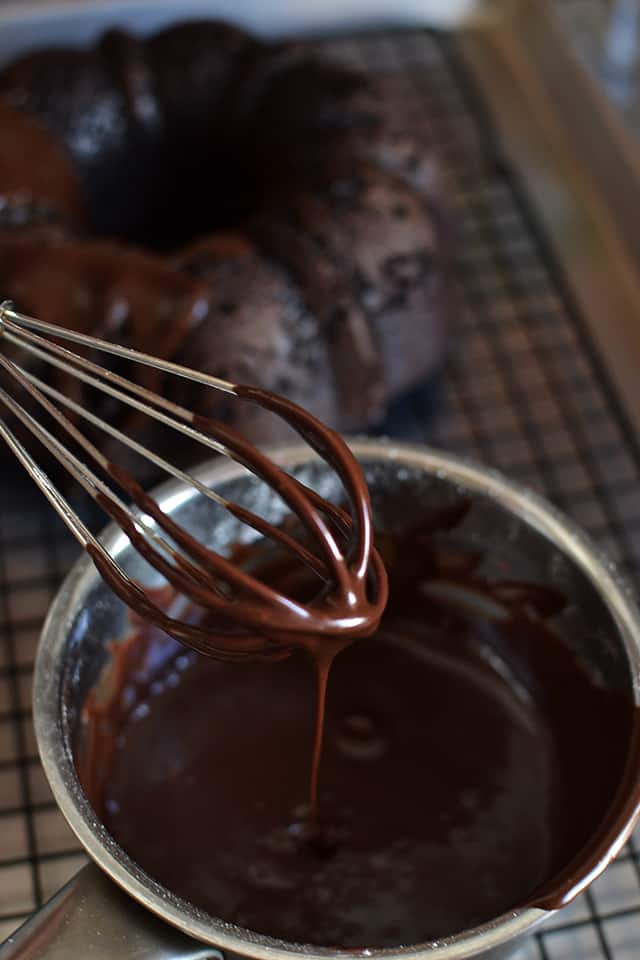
{"points": [[322, 645], [271, 623]]}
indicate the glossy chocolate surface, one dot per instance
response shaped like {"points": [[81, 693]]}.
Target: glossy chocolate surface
{"points": [[469, 759]]}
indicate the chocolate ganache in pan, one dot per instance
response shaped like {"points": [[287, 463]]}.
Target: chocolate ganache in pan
{"points": [[456, 779]]}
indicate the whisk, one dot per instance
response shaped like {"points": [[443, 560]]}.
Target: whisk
{"points": [[253, 619]]}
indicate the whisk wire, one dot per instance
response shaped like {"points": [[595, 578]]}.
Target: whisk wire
{"points": [[135, 529], [341, 542], [247, 516], [182, 419], [50, 491], [177, 576], [21, 324], [79, 470]]}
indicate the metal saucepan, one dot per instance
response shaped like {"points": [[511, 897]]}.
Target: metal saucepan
{"points": [[114, 909]]}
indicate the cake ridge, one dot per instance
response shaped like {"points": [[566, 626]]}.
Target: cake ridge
{"points": [[305, 171]]}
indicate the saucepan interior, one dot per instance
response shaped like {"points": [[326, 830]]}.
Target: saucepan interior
{"points": [[511, 526]]}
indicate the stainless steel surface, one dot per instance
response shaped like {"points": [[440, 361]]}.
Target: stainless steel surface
{"points": [[91, 919], [513, 525]]}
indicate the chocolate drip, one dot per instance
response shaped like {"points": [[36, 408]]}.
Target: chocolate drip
{"points": [[354, 593], [242, 616]]}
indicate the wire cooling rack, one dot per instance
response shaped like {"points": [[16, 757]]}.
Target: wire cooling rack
{"points": [[524, 391]]}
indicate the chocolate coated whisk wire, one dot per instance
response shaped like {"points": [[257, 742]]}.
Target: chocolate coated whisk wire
{"points": [[339, 548]]}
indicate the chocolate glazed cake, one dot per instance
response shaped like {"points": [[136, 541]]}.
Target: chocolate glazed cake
{"points": [[234, 205]]}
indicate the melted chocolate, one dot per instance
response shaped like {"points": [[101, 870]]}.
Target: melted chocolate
{"points": [[260, 614], [471, 765], [345, 600]]}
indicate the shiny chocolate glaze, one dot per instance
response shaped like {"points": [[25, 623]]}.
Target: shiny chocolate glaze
{"points": [[318, 598], [471, 763], [347, 592]]}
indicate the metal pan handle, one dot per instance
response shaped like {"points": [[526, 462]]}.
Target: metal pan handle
{"points": [[92, 919]]}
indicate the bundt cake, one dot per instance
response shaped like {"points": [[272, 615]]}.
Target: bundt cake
{"points": [[244, 207]]}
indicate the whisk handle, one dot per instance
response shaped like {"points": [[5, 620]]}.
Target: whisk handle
{"points": [[92, 919]]}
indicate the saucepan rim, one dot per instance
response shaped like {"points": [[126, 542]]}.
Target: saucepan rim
{"points": [[57, 761]]}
